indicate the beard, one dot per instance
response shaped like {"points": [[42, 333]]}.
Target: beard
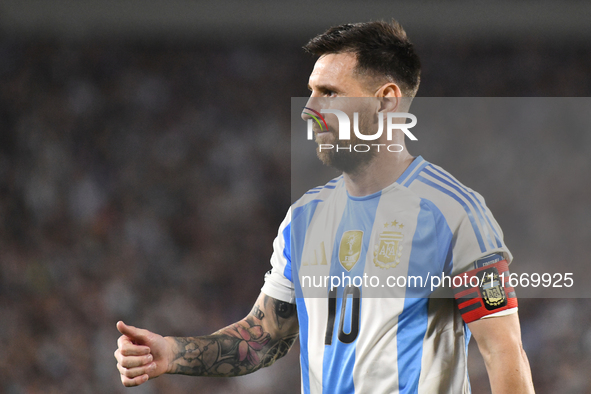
{"points": [[344, 160]]}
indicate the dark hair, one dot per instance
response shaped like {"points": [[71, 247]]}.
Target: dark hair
{"points": [[382, 50]]}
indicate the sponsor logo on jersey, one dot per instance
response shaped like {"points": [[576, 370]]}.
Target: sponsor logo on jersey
{"points": [[491, 288], [350, 248], [388, 250]]}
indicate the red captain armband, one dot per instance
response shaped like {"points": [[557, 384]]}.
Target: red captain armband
{"points": [[484, 291]]}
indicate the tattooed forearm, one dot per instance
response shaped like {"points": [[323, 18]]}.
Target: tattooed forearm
{"points": [[239, 349], [195, 356], [229, 352]]}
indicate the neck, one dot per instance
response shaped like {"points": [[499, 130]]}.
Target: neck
{"points": [[380, 173]]}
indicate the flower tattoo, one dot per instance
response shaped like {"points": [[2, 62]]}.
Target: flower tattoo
{"points": [[253, 339]]}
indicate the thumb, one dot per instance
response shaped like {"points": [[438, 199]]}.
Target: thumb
{"points": [[134, 333]]}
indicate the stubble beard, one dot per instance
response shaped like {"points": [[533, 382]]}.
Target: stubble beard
{"points": [[350, 162]]}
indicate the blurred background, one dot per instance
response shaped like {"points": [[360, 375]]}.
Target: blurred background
{"points": [[145, 169]]}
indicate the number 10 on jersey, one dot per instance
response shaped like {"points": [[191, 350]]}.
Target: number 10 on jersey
{"points": [[351, 302]]}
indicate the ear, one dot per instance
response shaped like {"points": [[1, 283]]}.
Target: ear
{"points": [[390, 95]]}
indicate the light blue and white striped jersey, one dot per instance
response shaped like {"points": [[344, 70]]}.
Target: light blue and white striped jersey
{"points": [[389, 339]]}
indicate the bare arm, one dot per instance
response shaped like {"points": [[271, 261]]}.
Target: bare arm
{"points": [[499, 341], [256, 341]]}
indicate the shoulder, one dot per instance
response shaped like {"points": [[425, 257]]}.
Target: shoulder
{"points": [[439, 188], [475, 230], [319, 194]]}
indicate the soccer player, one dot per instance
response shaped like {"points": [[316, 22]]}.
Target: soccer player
{"points": [[388, 212]]}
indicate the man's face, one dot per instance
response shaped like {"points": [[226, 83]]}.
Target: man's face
{"points": [[334, 77]]}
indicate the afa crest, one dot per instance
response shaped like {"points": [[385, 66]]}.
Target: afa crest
{"points": [[492, 289], [388, 251]]}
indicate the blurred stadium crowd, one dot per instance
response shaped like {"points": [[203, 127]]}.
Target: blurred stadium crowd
{"points": [[146, 182]]}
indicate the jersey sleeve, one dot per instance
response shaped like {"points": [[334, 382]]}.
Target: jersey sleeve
{"points": [[478, 238], [474, 242], [478, 243], [278, 281]]}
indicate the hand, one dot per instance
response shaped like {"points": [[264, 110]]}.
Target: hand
{"points": [[141, 355]]}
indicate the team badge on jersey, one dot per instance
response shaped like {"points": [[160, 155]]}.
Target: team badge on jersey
{"points": [[493, 293], [350, 248], [388, 251]]}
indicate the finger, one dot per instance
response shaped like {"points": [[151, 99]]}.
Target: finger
{"points": [[129, 348], [135, 361], [134, 333], [137, 371], [127, 382], [134, 350]]}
